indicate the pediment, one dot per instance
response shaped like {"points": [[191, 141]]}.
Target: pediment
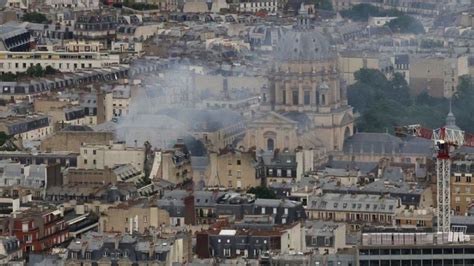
{"points": [[273, 118]]}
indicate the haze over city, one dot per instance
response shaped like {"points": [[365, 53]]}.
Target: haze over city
{"points": [[237, 132]]}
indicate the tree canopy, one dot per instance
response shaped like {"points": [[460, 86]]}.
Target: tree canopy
{"points": [[262, 192], [8, 77], [35, 17], [323, 4], [362, 12], [385, 103], [406, 24]]}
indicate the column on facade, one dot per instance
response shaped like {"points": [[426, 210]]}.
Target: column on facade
{"points": [[289, 100], [300, 94], [278, 97]]}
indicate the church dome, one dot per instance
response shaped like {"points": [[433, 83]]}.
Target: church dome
{"points": [[303, 45]]}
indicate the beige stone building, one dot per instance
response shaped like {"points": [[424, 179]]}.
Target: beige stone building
{"points": [[462, 187], [233, 169], [305, 103], [67, 140], [99, 156], [132, 217], [351, 62], [437, 75]]}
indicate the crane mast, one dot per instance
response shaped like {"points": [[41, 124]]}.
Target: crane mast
{"points": [[445, 141]]}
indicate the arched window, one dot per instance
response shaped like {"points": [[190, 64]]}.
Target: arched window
{"points": [[270, 144]]}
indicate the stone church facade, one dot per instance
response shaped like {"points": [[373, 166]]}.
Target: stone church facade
{"points": [[305, 104]]}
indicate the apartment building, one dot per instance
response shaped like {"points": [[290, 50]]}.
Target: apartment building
{"points": [[121, 96], [39, 230], [233, 169], [99, 156], [16, 62], [437, 75], [15, 38], [462, 186], [415, 248], [229, 242], [254, 6], [75, 4], [27, 127], [134, 217], [125, 249], [354, 209]]}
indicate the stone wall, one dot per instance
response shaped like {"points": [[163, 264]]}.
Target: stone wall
{"points": [[72, 140]]}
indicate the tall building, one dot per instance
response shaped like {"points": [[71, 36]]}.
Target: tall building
{"points": [[305, 103]]}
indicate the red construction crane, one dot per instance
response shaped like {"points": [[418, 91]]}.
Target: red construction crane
{"points": [[446, 139]]}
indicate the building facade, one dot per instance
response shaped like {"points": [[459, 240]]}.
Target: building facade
{"points": [[305, 103]]}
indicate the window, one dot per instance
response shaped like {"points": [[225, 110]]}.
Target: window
{"points": [[284, 96], [278, 172], [227, 252], [286, 211], [288, 172], [274, 210], [238, 162], [94, 152], [295, 97], [263, 210], [85, 161], [306, 98], [458, 178], [468, 179]]}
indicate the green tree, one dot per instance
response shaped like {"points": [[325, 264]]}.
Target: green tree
{"points": [[3, 137], [324, 5], [35, 17], [262, 192], [35, 71], [49, 70], [406, 24], [8, 77], [362, 12], [385, 103]]}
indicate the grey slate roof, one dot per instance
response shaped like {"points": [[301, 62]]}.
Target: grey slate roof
{"points": [[355, 203], [384, 143]]}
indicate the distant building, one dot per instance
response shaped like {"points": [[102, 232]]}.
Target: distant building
{"points": [[249, 243], [299, 110], [15, 38], [99, 156], [27, 128], [232, 168], [62, 61], [134, 217], [420, 248], [354, 209], [113, 248], [74, 4], [254, 6], [10, 250], [97, 27], [437, 75], [39, 230]]}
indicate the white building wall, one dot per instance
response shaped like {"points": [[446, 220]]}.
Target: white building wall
{"points": [[62, 61]]}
